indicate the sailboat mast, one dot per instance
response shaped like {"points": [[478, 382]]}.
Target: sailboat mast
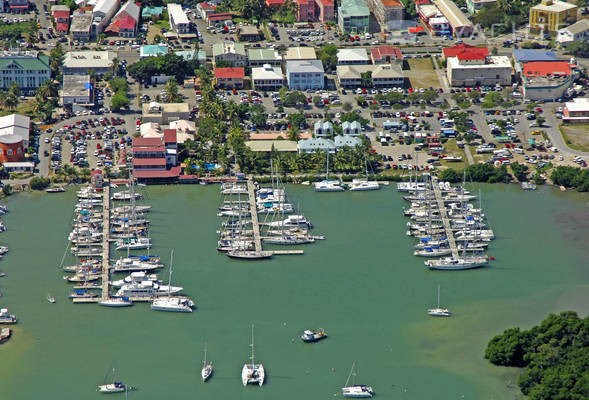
{"points": [[438, 296], [327, 168], [170, 277], [253, 360]]}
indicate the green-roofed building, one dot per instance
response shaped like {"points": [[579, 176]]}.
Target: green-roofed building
{"points": [[149, 12], [234, 53], [353, 16], [30, 69], [189, 55], [260, 57]]}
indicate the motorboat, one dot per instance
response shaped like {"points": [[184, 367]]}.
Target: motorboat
{"points": [[432, 251], [438, 311], [136, 277], [138, 243], [5, 334], [328, 186], [233, 188], [82, 294], [292, 221], [289, 239], [173, 304], [6, 318], [116, 302], [410, 186], [451, 263], [253, 373], [129, 209], [310, 336], [528, 186], [146, 289], [363, 184], [83, 277], [57, 189], [125, 195]]}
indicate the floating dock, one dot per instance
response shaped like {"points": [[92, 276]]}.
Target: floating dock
{"points": [[444, 216], [105, 241]]}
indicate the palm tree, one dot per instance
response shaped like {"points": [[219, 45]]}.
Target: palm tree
{"points": [[116, 65]]}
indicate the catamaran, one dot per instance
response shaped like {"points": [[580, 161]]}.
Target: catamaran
{"points": [[364, 184], [356, 391], [253, 373], [439, 312], [327, 185]]}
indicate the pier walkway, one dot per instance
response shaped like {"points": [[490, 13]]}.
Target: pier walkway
{"points": [[254, 214], [105, 241], [444, 216]]}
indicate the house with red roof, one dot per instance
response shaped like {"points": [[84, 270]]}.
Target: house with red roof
{"points": [[229, 78], [126, 21], [465, 51], [156, 159], [205, 9], [385, 55], [61, 16]]}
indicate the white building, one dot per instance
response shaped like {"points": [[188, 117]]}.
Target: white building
{"points": [[314, 144], [577, 31], [267, 77], [79, 62], [303, 75], [102, 13], [323, 129], [382, 75], [77, 89], [342, 141], [479, 71], [178, 20], [81, 27], [353, 128], [352, 56], [16, 124]]}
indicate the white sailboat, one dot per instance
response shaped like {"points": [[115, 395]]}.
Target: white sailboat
{"points": [[356, 391], [115, 387], [50, 298], [207, 369], [327, 185], [253, 373], [439, 312], [169, 303], [364, 184]]}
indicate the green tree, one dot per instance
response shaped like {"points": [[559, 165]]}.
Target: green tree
{"points": [[328, 56], [578, 48], [119, 101], [172, 90], [56, 60], [7, 189], [347, 106], [366, 79], [39, 183], [450, 175], [519, 171]]}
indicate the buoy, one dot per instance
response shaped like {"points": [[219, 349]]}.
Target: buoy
{"points": [[332, 369], [491, 258], [284, 324]]}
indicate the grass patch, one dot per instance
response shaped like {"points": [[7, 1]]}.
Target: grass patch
{"points": [[421, 73], [576, 136], [452, 149]]}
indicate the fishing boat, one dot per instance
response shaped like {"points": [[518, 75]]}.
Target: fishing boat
{"points": [[438, 311], [5, 334], [311, 335], [207, 368], [50, 298], [253, 373], [57, 189], [116, 302], [249, 254], [6, 318], [356, 391]]}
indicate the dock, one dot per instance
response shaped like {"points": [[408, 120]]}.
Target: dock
{"points": [[286, 252], [254, 213], [105, 241], [444, 216]]}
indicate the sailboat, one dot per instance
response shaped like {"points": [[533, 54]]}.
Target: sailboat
{"points": [[439, 312], [363, 184], [207, 369], [253, 373], [169, 303], [356, 391], [50, 298], [115, 387], [327, 185]]}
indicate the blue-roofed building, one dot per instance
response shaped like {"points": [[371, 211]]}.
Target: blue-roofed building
{"points": [[524, 55], [153, 50]]}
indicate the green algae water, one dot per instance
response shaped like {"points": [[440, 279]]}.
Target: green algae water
{"points": [[362, 285]]}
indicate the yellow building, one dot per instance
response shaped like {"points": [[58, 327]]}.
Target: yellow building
{"points": [[552, 15]]}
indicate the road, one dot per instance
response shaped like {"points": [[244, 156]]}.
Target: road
{"points": [[556, 137]]}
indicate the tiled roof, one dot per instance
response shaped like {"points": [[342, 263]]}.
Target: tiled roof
{"points": [[544, 68], [465, 50], [383, 51], [173, 172], [146, 162], [226, 73], [61, 14], [62, 27], [170, 136]]}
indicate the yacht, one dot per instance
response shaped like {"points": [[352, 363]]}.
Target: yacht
{"points": [[140, 243], [137, 263], [451, 263], [310, 336], [174, 304], [438, 312], [115, 387], [3, 250], [276, 208], [292, 221], [363, 184], [410, 186], [116, 302], [328, 186], [129, 209], [146, 289], [253, 373], [233, 188], [83, 277], [57, 189], [82, 294], [356, 391], [6, 318], [289, 239], [5, 334], [432, 251], [136, 277]]}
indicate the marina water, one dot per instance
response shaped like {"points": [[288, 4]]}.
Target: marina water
{"points": [[362, 285]]}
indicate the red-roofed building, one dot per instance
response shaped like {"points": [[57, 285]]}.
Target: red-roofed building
{"points": [[466, 52], [61, 16], [97, 179], [125, 22], [212, 19], [275, 3], [205, 9], [547, 68], [229, 78], [155, 159], [385, 55]]}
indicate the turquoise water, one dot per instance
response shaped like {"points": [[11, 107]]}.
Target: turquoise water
{"points": [[362, 285]]}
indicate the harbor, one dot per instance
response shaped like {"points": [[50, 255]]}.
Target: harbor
{"points": [[362, 270]]}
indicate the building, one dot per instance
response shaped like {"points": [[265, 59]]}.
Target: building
{"points": [[77, 89], [576, 111], [126, 21], [205, 9], [275, 3], [300, 53], [306, 74], [552, 15], [178, 20], [164, 113], [324, 10], [150, 12], [523, 56], [305, 10], [24, 166], [380, 76], [248, 33], [476, 70], [314, 144], [266, 146], [229, 78], [16, 125], [342, 141], [464, 50], [30, 69], [153, 50], [577, 31], [233, 53], [218, 18], [102, 13], [79, 62], [474, 6], [353, 16], [17, 6], [11, 149], [189, 55], [546, 80], [81, 28], [386, 55], [352, 56], [155, 159], [353, 128], [459, 23], [323, 129], [434, 20], [267, 77], [61, 17], [388, 13], [259, 57]]}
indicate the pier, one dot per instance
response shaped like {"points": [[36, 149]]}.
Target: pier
{"points": [[105, 241], [444, 216], [254, 214]]}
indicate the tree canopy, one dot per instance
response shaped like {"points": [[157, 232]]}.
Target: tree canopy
{"points": [[167, 64]]}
